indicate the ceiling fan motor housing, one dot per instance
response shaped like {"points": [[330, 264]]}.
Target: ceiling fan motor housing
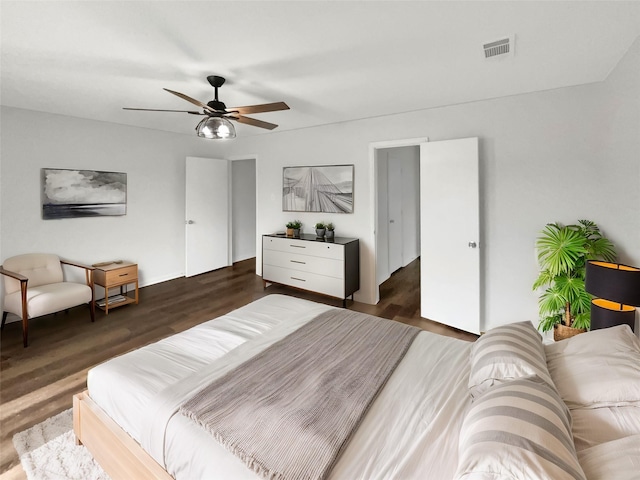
{"points": [[216, 82], [217, 105]]}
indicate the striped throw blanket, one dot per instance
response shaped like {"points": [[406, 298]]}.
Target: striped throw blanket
{"points": [[288, 412]]}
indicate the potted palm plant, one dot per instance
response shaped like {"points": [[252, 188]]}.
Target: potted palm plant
{"points": [[563, 252]]}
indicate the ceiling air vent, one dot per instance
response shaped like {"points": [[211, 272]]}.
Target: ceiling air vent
{"points": [[504, 46]]}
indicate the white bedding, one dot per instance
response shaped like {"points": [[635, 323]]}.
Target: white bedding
{"points": [[593, 426], [411, 430]]}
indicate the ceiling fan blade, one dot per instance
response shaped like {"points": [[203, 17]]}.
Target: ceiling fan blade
{"points": [[253, 122], [192, 112], [191, 100], [266, 107]]}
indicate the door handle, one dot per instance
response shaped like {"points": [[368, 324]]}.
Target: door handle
{"points": [[473, 244], [189, 222]]}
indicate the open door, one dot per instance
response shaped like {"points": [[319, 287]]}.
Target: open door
{"points": [[450, 232], [207, 215]]}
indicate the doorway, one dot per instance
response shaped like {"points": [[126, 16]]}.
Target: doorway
{"points": [[207, 215], [398, 232], [243, 209], [220, 223], [449, 228], [379, 188]]}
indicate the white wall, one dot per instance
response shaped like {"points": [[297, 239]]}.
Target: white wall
{"points": [[243, 209], [544, 157], [152, 231]]}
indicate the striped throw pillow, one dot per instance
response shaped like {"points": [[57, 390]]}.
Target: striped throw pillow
{"points": [[518, 430], [505, 353]]}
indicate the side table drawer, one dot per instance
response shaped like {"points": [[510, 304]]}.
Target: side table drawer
{"points": [[117, 276]]}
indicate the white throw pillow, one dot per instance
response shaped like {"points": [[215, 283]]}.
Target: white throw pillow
{"points": [[600, 368]]}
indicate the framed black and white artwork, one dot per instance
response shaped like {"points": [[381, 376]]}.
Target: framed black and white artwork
{"points": [[318, 189], [82, 193]]}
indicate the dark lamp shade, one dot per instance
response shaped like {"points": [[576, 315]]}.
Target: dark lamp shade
{"points": [[605, 313], [618, 287], [611, 281]]}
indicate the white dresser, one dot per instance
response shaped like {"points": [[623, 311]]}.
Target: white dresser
{"points": [[327, 267]]}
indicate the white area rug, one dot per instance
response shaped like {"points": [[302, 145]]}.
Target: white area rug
{"points": [[48, 452]]}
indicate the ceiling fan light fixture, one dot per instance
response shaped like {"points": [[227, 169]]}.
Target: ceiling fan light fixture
{"points": [[216, 128]]}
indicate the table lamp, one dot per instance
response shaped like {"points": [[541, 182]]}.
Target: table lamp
{"points": [[618, 290]]}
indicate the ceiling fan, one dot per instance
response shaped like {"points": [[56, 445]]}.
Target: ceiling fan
{"points": [[217, 124]]}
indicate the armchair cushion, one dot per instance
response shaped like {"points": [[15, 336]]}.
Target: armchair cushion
{"points": [[45, 299], [39, 268]]}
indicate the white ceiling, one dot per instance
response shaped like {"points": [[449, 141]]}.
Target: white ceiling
{"points": [[331, 61]]}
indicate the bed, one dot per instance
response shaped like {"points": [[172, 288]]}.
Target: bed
{"points": [[439, 415]]}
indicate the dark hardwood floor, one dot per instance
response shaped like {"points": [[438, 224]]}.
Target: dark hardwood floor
{"points": [[38, 381]]}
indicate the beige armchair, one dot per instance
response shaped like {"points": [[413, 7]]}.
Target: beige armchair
{"points": [[34, 286]]}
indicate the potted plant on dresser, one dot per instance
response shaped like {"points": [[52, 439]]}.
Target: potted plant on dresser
{"points": [[563, 252], [320, 229], [293, 228], [330, 231]]}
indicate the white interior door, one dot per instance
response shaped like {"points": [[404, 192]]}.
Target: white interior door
{"points": [[450, 232], [396, 228], [207, 215]]}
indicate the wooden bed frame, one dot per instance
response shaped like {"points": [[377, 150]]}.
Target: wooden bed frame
{"points": [[116, 452]]}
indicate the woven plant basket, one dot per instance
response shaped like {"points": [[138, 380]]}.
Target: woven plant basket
{"points": [[561, 331]]}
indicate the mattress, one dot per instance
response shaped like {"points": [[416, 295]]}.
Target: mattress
{"points": [[410, 431]]}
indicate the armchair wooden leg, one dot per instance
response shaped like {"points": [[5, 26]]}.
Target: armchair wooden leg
{"points": [[25, 328], [25, 313], [4, 319], [92, 309]]}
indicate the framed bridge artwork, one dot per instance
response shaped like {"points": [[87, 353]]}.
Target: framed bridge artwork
{"points": [[82, 193], [325, 188]]}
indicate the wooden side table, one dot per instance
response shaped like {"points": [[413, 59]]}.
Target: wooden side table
{"points": [[116, 275]]}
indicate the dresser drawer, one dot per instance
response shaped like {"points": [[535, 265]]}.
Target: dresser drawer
{"points": [[116, 276], [306, 263], [305, 280], [304, 247]]}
